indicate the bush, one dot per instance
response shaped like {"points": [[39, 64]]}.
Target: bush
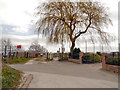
{"points": [[70, 55], [61, 60], [75, 55], [99, 53], [64, 59], [91, 58], [5, 59], [113, 60]]}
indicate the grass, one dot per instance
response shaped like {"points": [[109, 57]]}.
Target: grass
{"points": [[10, 77], [64, 59], [37, 59], [40, 56], [61, 60], [48, 59], [55, 56], [17, 60]]}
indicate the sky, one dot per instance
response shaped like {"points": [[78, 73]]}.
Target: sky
{"points": [[17, 21]]}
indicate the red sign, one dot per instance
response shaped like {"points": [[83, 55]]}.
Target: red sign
{"points": [[18, 46], [36, 55]]}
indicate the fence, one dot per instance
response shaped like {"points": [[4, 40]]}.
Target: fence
{"points": [[107, 65], [112, 59], [15, 55]]}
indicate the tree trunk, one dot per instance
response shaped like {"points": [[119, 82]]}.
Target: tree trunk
{"points": [[72, 47]]}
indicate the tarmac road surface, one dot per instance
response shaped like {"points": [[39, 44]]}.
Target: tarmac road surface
{"points": [[57, 74]]}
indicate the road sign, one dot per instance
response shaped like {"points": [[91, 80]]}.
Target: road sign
{"points": [[18, 46], [36, 55]]}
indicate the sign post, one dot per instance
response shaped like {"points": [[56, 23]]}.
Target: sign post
{"points": [[18, 48]]}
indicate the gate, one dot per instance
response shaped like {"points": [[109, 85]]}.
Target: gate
{"points": [[113, 58]]}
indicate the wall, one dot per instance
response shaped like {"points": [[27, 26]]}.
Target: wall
{"points": [[113, 68]]}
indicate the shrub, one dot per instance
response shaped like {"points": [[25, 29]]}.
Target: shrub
{"points": [[91, 58], [113, 60], [99, 53], [75, 55], [70, 55], [5, 59], [64, 59]]}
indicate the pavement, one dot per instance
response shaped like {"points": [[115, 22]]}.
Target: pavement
{"points": [[55, 74]]}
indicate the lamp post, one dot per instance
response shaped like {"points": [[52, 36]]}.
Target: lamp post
{"points": [[62, 49], [62, 45], [5, 49], [85, 43]]}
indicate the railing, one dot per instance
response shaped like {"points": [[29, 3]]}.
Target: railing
{"points": [[112, 59]]}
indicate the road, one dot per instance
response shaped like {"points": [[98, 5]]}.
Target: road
{"points": [[57, 74]]}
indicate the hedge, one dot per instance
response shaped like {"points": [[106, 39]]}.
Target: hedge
{"points": [[113, 61], [75, 53], [91, 58]]}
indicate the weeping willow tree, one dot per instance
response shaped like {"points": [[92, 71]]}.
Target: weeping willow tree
{"points": [[69, 20]]}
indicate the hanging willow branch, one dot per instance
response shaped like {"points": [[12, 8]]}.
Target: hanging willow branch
{"points": [[73, 19]]}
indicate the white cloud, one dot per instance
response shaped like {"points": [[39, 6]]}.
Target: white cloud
{"points": [[21, 29], [19, 13], [1, 29]]}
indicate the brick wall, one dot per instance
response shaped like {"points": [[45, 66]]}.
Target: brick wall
{"points": [[113, 68]]}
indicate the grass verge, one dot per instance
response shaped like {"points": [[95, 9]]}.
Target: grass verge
{"points": [[48, 59], [10, 77], [37, 59], [17, 60]]}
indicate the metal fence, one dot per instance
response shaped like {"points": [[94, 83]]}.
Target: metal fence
{"points": [[113, 58]]}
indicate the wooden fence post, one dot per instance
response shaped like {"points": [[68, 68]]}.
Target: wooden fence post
{"points": [[8, 57], [2, 57], [16, 54]]}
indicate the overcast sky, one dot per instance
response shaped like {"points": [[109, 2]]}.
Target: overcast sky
{"points": [[17, 23]]}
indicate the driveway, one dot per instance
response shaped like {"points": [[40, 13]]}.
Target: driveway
{"points": [[56, 74]]}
